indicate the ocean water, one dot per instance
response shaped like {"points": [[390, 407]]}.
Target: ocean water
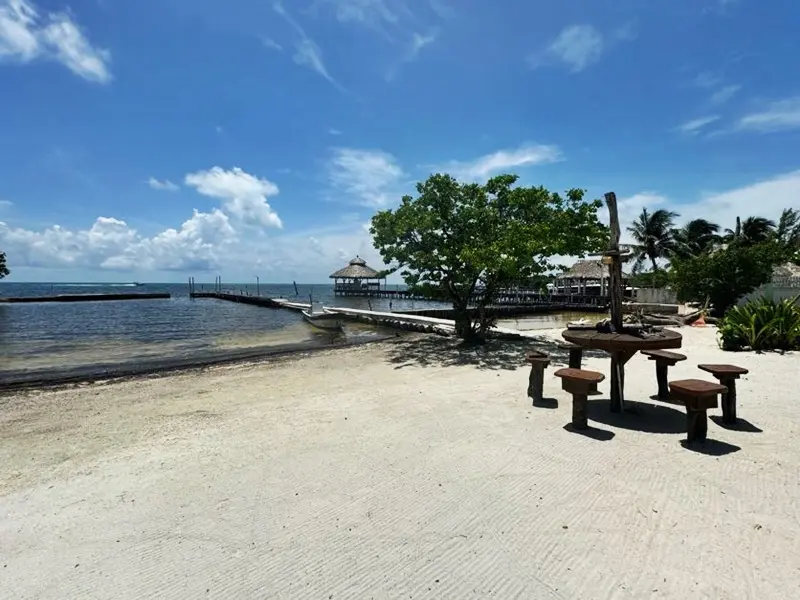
{"points": [[48, 339]]}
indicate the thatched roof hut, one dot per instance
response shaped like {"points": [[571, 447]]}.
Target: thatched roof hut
{"points": [[357, 269], [593, 270], [575, 278]]}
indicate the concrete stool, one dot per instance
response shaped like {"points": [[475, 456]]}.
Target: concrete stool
{"points": [[698, 396], [575, 354], [727, 376], [538, 362], [664, 360], [580, 384]]}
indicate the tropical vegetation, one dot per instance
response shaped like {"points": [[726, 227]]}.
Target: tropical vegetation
{"points": [[709, 266], [3, 267], [469, 240], [762, 324]]}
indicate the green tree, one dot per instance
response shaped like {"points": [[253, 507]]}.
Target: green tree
{"points": [[696, 237], [753, 230], [468, 240], [788, 230], [3, 268], [653, 235], [725, 275]]}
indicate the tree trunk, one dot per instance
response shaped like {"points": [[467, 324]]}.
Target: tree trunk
{"points": [[655, 264], [463, 321]]}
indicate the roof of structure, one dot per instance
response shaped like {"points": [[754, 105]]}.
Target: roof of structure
{"points": [[357, 269], [587, 269]]}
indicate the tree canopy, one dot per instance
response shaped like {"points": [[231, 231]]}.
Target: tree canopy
{"points": [[653, 235], [726, 274], [468, 239], [694, 238], [3, 268]]}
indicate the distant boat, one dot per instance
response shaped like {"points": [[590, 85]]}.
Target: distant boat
{"points": [[327, 321], [137, 284]]}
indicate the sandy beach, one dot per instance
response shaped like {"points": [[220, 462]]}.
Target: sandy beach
{"points": [[404, 469]]}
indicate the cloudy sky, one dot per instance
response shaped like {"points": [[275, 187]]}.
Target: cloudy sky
{"points": [[158, 139]]}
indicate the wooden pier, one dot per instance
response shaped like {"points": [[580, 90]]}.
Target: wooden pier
{"points": [[439, 320], [85, 297], [510, 297]]}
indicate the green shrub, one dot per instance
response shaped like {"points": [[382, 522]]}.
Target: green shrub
{"points": [[761, 324]]}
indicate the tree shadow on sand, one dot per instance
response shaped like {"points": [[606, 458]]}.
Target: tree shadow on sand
{"points": [[438, 351]]}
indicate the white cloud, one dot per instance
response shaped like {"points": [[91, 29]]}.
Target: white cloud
{"points": [[725, 93], [271, 44], [6, 204], [503, 161], [442, 9], [415, 46], [577, 46], [765, 198], [629, 208], [244, 195], [26, 36], [371, 176], [707, 79], [333, 131], [307, 52], [370, 13], [783, 115], [111, 244], [695, 125], [164, 186], [419, 41]]}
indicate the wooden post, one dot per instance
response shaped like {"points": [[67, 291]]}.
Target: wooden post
{"points": [[615, 292], [580, 419], [615, 266], [575, 357], [729, 400], [661, 378], [536, 383]]}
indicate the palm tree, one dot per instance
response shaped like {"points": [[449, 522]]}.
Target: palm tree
{"points": [[694, 238], [752, 230], [653, 235], [788, 231]]}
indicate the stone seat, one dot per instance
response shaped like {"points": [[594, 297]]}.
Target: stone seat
{"points": [[664, 359], [538, 361], [580, 383], [575, 354], [727, 376], [698, 395]]}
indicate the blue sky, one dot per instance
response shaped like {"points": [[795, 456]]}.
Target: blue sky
{"points": [[158, 139]]}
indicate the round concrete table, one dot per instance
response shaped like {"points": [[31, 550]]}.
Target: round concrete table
{"points": [[621, 347]]}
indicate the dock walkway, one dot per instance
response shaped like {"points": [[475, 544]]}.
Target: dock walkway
{"points": [[387, 319]]}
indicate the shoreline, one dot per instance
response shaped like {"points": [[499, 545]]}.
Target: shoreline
{"points": [[16, 381]]}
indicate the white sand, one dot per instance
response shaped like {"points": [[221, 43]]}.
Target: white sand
{"points": [[386, 471]]}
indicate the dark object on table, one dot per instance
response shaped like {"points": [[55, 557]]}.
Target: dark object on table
{"points": [[698, 396], [580, 384], [575, 354], [727, 376], [664, 359], [538, 361]]}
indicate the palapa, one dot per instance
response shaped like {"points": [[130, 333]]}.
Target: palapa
{"points": [[587, 269], [357, 269]]}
